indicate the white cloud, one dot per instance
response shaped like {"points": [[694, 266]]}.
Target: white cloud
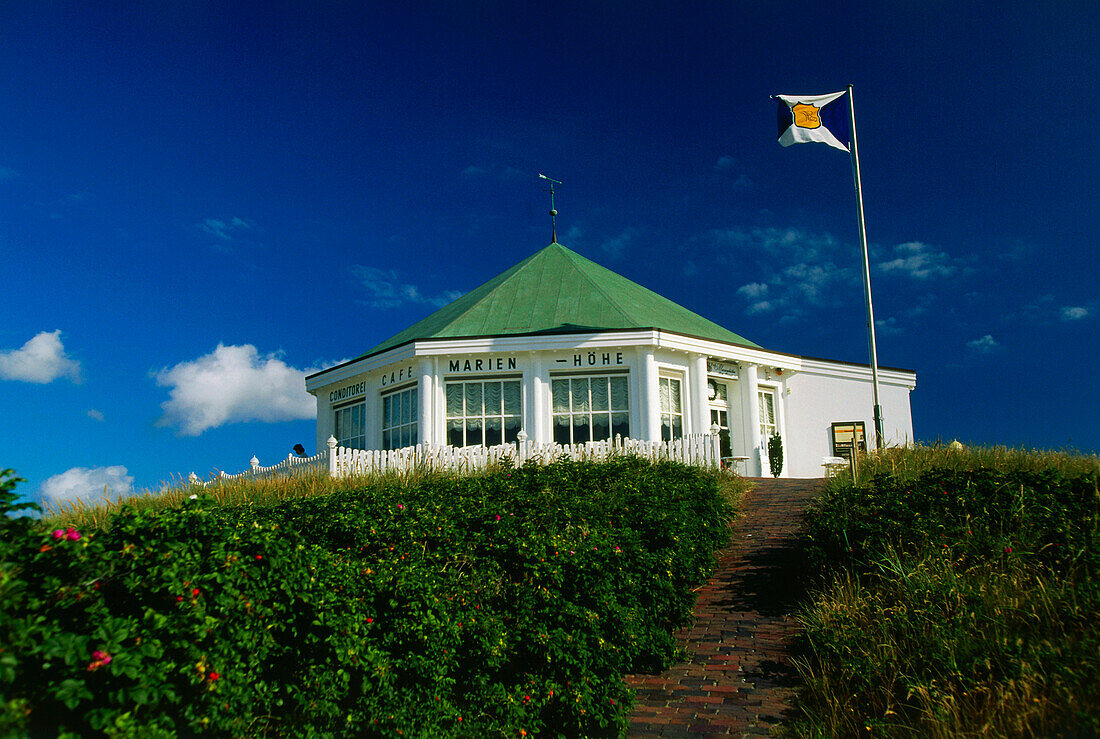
{"points": [[919, 261], [386, 290], [984, 345], [233, 384], [41, 360], [95, 415], [225, 230], [1074, 313], [888, 327], [803, 267], [752, 290], [86, 484], [616, 246]]}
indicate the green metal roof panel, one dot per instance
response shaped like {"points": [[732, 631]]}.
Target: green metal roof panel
{"points": [[557, 290]]}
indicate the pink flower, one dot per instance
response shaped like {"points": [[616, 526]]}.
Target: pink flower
{"points": [[59, 534], [400, 507], [72, 534], [99, 659], [496, 517]]}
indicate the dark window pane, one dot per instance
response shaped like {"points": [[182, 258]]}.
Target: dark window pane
{"points": [[677, 427], [454, 433], [666, 428], [413, 440], [561, 429], [580, 429], [601, 426], [511, 430], [473, 432], [493, 434], [620, 425]]}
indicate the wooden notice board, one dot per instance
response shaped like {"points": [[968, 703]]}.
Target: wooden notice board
{"points": [[848, 435]]}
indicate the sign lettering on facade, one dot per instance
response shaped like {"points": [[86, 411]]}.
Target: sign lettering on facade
{"points": [[729, 369], [593, 359], [394, 376], [481, 364], [348, 391]]}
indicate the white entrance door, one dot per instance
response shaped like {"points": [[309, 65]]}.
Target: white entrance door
{"points": [[718, 396], [768, 425]]}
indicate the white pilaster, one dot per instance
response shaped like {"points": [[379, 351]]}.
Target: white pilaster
{"points": [[536, 400], [700, 411], [426, 397], [751, 405], [372, 413], [649, 396]]}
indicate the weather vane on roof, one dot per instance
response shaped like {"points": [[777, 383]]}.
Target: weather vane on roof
{"points": [[553, 212]]}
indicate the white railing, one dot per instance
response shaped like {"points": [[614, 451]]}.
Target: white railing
{"points": [[700, 450]]}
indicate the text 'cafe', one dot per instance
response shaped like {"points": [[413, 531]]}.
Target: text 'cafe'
{"points": [[569, 352]]}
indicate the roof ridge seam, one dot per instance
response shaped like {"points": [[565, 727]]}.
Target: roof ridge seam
{"points": [[591, 281]]}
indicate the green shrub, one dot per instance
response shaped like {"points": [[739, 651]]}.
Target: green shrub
{"points": [[444, 606], [960, 595]]}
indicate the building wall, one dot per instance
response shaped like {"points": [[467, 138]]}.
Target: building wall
{"points": [[810, 394], [815, 400]]}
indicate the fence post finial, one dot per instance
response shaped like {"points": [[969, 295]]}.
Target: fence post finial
{"points": [[254, 462], [331, 443]]}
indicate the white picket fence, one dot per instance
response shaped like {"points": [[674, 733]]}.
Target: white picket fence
{"points": [[700, 450]]}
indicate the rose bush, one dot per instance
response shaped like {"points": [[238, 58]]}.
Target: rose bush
{"points": [[457, 606]]}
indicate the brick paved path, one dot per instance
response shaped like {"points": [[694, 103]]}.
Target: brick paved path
{"points": [[739, 676]]}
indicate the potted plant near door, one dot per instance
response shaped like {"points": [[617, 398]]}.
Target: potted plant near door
{"points": [[775, 454]]}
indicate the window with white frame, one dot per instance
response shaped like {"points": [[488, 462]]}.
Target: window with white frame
{"points": [[484, 412], [672, 409], [768, 425], [718, 398], [350, 427], [590, 408], [400, 412]]}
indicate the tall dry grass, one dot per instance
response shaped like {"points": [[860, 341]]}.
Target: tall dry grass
{"points": [[960, 597]]}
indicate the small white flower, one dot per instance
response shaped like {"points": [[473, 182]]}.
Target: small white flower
{"points": [[193, 496]]}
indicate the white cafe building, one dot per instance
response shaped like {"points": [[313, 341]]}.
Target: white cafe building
{"points": [[568, 351]]}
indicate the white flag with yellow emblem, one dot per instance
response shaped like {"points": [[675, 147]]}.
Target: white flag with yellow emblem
{"points": [[814, 118]]}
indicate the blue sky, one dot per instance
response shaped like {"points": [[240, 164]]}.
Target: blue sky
{"points": [[200, 202]]}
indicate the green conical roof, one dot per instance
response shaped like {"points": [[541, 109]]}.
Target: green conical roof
{"points": [[556, 290]]}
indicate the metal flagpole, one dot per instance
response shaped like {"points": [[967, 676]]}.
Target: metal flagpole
{"points": [[866, 270]]}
